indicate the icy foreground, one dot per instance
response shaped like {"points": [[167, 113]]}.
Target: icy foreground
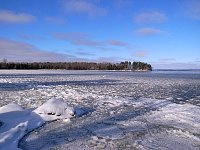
{"points": [[16, 122], [182, 119], [108, 110]]}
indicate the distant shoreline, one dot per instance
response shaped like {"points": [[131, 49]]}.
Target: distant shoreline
{"points": [[176, 69], [126, 65], [109, 70]]}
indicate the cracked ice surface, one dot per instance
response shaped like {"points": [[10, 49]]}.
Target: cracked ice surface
{"points": [[118, 110]]}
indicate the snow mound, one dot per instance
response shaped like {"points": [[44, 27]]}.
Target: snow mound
{"points": [[55, 108], [11, 107]]}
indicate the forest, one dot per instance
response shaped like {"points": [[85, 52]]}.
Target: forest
{"points": [[126, 65]]}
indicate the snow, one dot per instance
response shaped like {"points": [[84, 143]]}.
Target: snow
{"points": [[107, 131], [17, 122], [133, 125], [184, 117], [54, 109], [170, 140], [104, 110], [10, 107]]}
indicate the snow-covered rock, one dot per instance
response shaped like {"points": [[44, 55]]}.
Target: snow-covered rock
{"points": [[55, 108]]}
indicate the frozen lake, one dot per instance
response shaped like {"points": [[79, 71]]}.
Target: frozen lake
{"points": [[123, 110]]}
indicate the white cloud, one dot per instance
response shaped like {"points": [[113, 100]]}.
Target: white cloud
{"points": [[83, 7], [11, 17], [77, 38], [82, 39], [150, 17], [148, 31], [22, 51]]}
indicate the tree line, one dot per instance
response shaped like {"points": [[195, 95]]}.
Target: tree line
{"points": [[127, 65]]}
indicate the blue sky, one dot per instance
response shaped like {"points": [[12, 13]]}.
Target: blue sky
{"points": [[164, 33]]}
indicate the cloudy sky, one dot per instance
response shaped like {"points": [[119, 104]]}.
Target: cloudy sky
{"points": [[165, 33]]}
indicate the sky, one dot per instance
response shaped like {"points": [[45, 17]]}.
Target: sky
{"points": [[164, 33]]}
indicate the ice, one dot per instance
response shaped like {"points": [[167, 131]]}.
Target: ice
{"points": [[107, 131], [170, 141], [179, 116], [133, 125], [17, 122], [111, 110], [15, 125]]}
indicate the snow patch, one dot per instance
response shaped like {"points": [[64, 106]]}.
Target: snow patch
{"points": [[17, 122]]}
